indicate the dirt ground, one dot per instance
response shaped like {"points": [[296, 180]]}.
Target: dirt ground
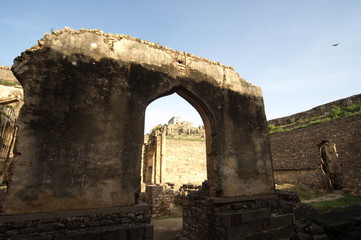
{"points": [[167, 228]]}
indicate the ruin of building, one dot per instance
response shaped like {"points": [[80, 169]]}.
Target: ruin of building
{"points": [[77, 171], [175, 154]]}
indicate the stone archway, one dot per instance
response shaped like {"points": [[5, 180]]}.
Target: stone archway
{"points": [[81, 127], [205, 115]]}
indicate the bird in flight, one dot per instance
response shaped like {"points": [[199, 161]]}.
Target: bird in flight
{"points": [[335, 44]]}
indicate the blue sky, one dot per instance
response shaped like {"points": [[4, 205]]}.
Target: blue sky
{"points": [[283, 46]]}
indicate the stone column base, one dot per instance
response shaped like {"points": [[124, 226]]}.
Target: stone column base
{"points": [[249, 217]]}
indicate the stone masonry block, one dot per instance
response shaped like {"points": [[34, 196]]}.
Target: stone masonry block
{"points": [[281, 221], [255, 215], [225, 218], [149, 231], [247, 229], [40, 238], [119, 234], [238, 217], [281, 233], [136, 232]]}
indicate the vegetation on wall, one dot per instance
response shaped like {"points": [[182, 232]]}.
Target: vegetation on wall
{"points": [[8, 83], [186, 138], [335, 113], [342, 112]]}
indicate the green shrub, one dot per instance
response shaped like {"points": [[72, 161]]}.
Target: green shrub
{"points": [[7, 83], [353, 108], [337, 112], [341, 112]]}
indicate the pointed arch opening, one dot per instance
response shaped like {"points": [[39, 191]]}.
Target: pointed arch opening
{"points": [[174, 159]]}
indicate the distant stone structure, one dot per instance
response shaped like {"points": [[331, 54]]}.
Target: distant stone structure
{"points": [[174, 120], [77, 174], [11, 100], [301, 154], [177, 128], [175, 153]]}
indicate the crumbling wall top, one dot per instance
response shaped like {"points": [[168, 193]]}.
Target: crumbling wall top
{"points": [[110, 39], [95, 44]]}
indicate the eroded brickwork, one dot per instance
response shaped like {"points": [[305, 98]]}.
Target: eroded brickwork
{"points": [[160, 200]]}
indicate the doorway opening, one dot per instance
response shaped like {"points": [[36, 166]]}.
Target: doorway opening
{"points": [[330, 165], [173, 161]]}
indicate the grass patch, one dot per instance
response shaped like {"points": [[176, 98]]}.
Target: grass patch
{"points": [[304, 192], [346, 200], [187, 139], [336, 113], [8, 83]]}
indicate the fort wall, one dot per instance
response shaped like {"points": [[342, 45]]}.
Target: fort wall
{"points": [[321, 111], [296, 154], [185, 162]]}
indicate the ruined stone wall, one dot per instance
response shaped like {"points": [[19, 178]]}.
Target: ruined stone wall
{"points": [[185, 162], [8, 131], [160, 200], [128, 223], [11, 95], [296, 154], [321, 110]]}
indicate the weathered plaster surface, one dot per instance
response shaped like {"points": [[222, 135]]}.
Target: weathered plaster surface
{"points": [[81, 128]]}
